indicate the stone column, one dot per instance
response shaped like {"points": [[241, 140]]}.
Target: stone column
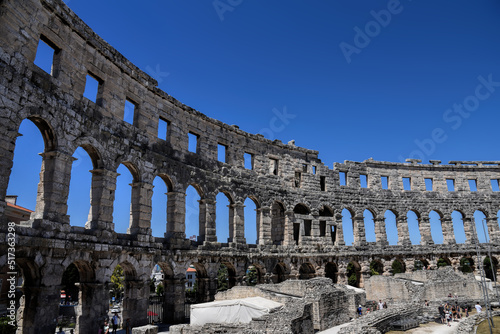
{"points": [[380, 231], [288, 229], [176, 215], [207, 221], [102, 196], [140, 209], [448, 231], [237, 223], [339, 238], [359, 231], [470, 230], [7, 146], [403, 232], [175, 298], [425, 231], [41, 309], [264, 233], [53, 190], [493, 230], [93, 306], [135, 302]]}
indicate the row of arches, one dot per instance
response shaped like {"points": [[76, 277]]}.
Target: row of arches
{"points": [[123, 201]]}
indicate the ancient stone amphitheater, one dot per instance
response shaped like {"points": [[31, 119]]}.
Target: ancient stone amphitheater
{"points": [[299, 200]]}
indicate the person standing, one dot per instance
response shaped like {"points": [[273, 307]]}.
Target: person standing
{"points": [[441, 313], [115, 321], [478, 308], [380, 304]]}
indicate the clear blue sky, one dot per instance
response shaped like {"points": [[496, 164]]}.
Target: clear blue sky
{"points": [[357, 82]]}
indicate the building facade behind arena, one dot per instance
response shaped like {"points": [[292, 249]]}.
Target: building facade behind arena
{"points": [[299, 200]]}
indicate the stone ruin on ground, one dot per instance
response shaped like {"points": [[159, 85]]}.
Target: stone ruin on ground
{"points": [[309, 305]]}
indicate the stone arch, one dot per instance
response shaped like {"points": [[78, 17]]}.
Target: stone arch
{"points": [[443, 261], [376, 267], [421, 264], [93, 148], [398, 266], [457, 220], [353, 273], [231, 274], [252, 219], [466, 264], [277, 223], [301, 209], [47, 131], [259, 274], [307, 271], [280, 273], [436, 226], [325, 211], [369, 216], [348, 225], [202, 293], [332, 271]]}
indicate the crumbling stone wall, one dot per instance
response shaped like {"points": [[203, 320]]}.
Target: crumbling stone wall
{"points": [[427, 285], [289, 184]]}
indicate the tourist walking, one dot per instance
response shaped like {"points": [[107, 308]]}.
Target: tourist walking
{"points": [[448, 318], [380, 304], [115, 321], [478, 308], [441, 313]]}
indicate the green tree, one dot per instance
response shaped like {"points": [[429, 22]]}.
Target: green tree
{"points": [[465, 265], [352, 277], [117, 282], [442, 263], [397, 267], [252, 276], [222, 278], [376, 268], [5, 327], [160, 289]]}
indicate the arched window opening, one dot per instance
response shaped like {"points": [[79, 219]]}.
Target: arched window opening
{"points": [[122, 205], [458, 226], [193, 228], [80, 188], [347, 227], [222, 217], [398, 267], [369, 226], [306, 271], [413, 228], [436, 228], [376, 268], [253, 275], [277, 223], [25, 173], [331, 271], [353, 274], [480, 226], [490, 268], [280, 273], [466, 265], [251, 226], [443, 262], [159, 205], [391, 227]]}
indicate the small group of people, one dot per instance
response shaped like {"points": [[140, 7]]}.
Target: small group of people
{"points": [[449, 313], [380, 305], [115, 322]]}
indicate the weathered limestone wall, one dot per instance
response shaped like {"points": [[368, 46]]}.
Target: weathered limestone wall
{"points": [[429, 285]]}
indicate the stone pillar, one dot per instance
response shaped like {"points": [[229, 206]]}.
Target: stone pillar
{"points": [[7, 146], [102, 196], [264, 234], [470, 230], [40, 309], [493, 230], [288, 229], [92, 307], [448, 231], [403, 232], [175, 298], [425, 231], [135, 302], [380, 231], [140, 209], [359, 231], [176, 215], [339, 239], [207, 221], [53, 189], [237, 223]]}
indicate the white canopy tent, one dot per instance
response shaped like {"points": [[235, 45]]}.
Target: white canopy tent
{"points": [[232, 311]]}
